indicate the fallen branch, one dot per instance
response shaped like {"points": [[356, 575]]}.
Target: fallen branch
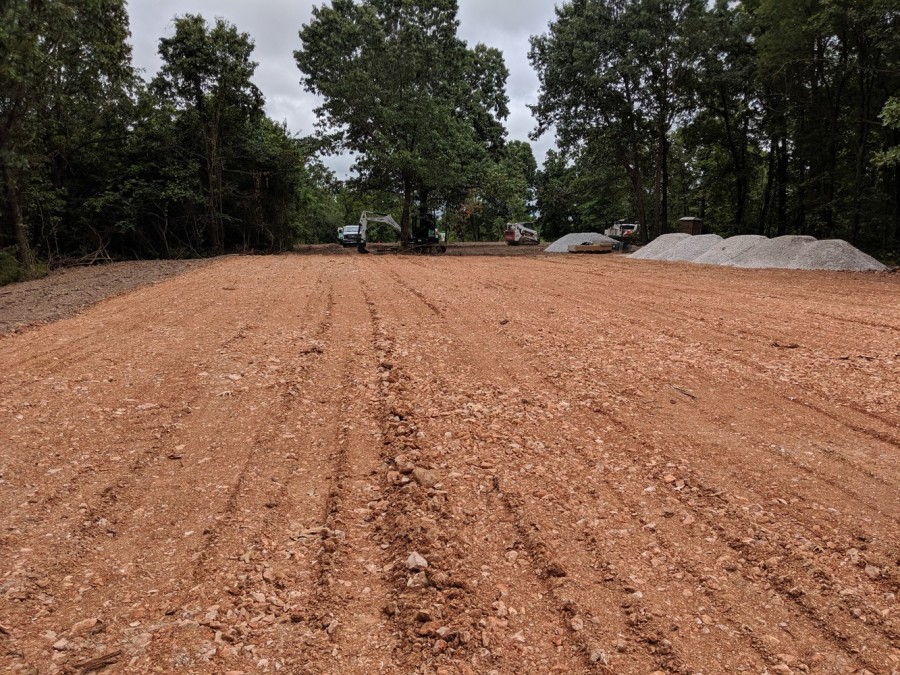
{"points": [[99, 662], [680, 390]]}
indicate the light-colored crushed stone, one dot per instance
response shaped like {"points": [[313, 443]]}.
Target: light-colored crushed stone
{"points": [[837, 254], [576, 238], [659, 246], [727, 250], [778, 253], [758, 252], [687, 250]]}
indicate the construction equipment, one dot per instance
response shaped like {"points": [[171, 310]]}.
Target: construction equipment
{"points": [[622, 231], [429, 241], [602, 247], [519, 233]]}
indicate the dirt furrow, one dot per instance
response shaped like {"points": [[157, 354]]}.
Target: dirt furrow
{"points": [[426, 284], [456, 465]]}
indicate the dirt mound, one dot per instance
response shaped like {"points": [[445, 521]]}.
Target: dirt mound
{"points": [[562, 245], [688, 249], [659, 246], [729, 249]]}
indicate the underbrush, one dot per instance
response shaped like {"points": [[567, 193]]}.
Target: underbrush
{"points": [[11, 271]]}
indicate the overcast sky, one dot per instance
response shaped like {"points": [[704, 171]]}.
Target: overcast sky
{"points": [[274, 24]]}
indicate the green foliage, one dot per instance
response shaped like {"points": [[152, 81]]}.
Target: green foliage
{"points": [[11, 270], [760, 116], [890, 116], [66, 72], [422, 111], [96, 164]]}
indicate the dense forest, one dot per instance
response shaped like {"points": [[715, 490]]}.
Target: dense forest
{"points": [[762, 116]]}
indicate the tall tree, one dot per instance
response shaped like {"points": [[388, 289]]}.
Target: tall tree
{"points": [[208, 71], [63, 64], [618, 73], [402, 91]]}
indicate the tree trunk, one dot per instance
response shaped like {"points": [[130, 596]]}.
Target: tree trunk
{"points": [[404, 216], [213, 185], [663, 222], [782, 184], [26, 256]]}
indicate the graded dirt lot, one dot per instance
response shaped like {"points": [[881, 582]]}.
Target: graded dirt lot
{"points": [[607, 465]]}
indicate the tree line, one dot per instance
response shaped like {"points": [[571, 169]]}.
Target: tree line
{"points": [[761, 116], [98, 163]]}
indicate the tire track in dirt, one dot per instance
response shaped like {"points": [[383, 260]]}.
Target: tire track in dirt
{"points": [[453, 642], [631, 622], [426, 284], [859, 496], [573, 517], [110, 498], [713, 453], [105, 399], [653, 305], [133, 474]]}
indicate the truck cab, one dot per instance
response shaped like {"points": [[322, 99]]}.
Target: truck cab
{"points": [[353, 235]]}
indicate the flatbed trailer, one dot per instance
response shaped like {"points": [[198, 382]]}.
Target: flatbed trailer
{"points": [[591, 248]]}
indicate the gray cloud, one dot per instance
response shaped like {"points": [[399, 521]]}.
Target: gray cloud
{"points": [[274, 24]]}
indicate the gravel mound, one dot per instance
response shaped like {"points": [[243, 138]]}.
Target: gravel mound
{"points": [[756, 252], [659, 246], [837, 254], [727, 250], [778, 253], [575, 239], [687, 250]]}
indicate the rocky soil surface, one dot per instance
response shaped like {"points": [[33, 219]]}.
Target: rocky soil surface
{"points": [[68, 290], [358, 464]]}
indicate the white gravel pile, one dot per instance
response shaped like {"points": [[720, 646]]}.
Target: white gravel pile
{"points": [[837, 254], [690, 248], [576, 239], [727, 250], [659, 246], [778, 253], [757, 252]]}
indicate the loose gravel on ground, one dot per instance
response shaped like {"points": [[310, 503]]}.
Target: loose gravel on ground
{"points": [[359, 464], [727, 250]]}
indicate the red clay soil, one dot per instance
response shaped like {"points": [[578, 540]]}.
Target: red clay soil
{"points": [[357, 464]]}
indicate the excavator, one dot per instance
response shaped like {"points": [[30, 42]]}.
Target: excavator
{"points": [[428, 241]]}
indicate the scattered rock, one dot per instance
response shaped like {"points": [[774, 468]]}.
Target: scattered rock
{"points": [[84, 627], [599, 656], [416, 562], [424, 477], [98, 662]]}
